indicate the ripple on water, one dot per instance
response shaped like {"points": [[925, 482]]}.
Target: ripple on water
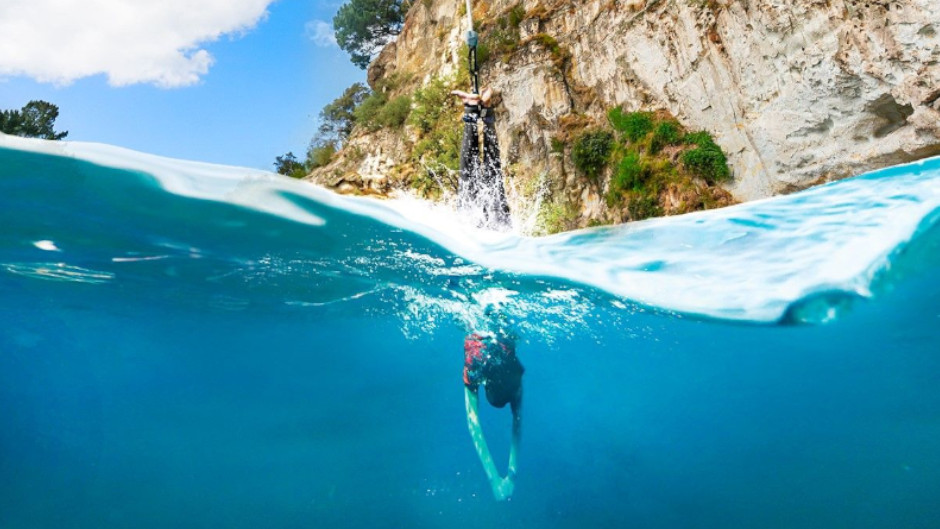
{"points": [[59, 272]]}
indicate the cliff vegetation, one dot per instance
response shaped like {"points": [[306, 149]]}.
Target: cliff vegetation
{"points": [[618, 111]]}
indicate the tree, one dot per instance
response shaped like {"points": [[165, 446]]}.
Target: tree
{"points": [[289, 166], [363, 27], [35, 120], [320, 153], [337, 118]]}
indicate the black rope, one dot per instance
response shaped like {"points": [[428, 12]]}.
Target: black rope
{"points": [[474, 72], [472, 58]]}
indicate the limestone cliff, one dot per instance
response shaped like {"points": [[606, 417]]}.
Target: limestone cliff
{"points": [[796, 92]]}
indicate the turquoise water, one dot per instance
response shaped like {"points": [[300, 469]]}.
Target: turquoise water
{"points": [[184, 345]]}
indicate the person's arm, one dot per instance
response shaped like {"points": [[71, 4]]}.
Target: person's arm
{"points": [[502, 488]]}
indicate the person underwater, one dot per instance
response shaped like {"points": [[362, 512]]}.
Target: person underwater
{"points": [[490, 362]]}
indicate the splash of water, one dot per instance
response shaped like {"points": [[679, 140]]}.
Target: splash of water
{"points": [[750, 262]]}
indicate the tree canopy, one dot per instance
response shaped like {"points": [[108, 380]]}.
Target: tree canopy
{"points": [[289, 166], [337, 118], [35, 120], [363, 27], [319, 153]]}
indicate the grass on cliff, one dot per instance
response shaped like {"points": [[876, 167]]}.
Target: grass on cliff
{"points": [[591, 152], [706, 159], [499, 34], [655, 166], [633, 125], [560, 55]]}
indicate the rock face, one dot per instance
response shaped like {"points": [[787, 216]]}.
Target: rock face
{"points": [[796, 92]]}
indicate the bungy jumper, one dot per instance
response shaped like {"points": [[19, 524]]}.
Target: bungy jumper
{"points": [[480, 191]]}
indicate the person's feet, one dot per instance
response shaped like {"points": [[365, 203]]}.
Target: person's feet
{"points": [[468, 99], [503, 488]]}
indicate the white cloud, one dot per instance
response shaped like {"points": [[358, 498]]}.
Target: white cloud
{"points": [[321, 33], [131, 41]]}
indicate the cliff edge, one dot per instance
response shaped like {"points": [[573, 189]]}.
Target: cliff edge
{"points": [[795, 93]]}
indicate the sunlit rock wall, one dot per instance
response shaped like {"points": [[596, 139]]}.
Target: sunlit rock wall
{"points": [[796, 92]]}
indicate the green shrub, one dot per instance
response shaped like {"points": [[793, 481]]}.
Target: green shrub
{"points": [[502, 39], [548, 42], [427, 183], [591, 152], [320, 154], [616, 118], [665, 133], [440, 148], [430, 102], [376, 111], [516, 15], [558, 146], [709, 163], [706, 160], [557, 216], [631, 173], [484, 52], [437, 151], [501, 36], [367, 112], [438, 156], [700, 138], [643, 206], [560, 56], [394, 113], [635, 125]]}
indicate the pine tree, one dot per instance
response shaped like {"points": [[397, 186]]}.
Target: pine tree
{"points": [[363, 27], [35, 120]]}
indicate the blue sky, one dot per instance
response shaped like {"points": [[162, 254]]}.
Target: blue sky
{"points": [[238, 83]]}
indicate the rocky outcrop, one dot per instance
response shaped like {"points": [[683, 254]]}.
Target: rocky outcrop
{"points": [[796, 92]]}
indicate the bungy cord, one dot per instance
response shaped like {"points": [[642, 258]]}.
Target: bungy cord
{"points": [[472, 47]]}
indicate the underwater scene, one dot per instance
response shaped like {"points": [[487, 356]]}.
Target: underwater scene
{"points": [[191, 345]]}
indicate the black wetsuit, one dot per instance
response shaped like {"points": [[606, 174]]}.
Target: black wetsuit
{"points": [[491, 361], [480, 187]]}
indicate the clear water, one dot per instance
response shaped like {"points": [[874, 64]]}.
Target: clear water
{"points": [[184, 345]]}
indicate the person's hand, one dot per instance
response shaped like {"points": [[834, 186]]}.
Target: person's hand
{"points": [[485, 95], [503, 489]]}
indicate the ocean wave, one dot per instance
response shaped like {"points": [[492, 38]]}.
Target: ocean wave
{"points": [[751, 262]]}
